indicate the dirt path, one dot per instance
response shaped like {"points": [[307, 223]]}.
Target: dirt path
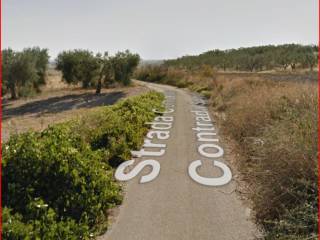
{"points": [[173, 206]]}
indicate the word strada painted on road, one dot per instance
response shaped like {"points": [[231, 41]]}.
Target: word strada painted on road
{"points": [[206, 135], [159, 130]]}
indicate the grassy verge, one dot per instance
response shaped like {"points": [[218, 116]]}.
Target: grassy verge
{"points": [[58, 184], [275, 126]]}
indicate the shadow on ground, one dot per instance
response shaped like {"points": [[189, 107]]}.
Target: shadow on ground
{"points": [[61, 103]]}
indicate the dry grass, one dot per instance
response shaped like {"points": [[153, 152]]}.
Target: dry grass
{"points": [[275, 126]]}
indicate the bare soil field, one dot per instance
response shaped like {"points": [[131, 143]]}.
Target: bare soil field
{"points": [[56, 103]]}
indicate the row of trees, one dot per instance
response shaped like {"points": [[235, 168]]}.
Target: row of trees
{"points": [[253, 58], [96, 70], [24, 71]]}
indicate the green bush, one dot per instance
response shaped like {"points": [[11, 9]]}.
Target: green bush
{"points": [[118, 129], [58, 184], [44, 225], [13, 228], [164, 75], [58, 167], [151, 73]]}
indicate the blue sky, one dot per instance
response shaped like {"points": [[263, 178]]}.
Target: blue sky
{"points": [[157, 29]]}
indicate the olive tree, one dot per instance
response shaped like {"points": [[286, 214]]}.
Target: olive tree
{"points": [[7, 61], [310, 58], [123, 64], [96, 70], [78, 66], [24, 71], [253, 58], [106, 72], [41, 59]]}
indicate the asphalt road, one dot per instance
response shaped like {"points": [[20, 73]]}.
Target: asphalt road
{"points": [[173, 206]]}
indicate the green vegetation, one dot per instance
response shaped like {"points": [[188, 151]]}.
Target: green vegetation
{"points": [[162, 74], [253, 58], [123, 65], [96, 70], [58, 184], [199, 80], [24, 72]]}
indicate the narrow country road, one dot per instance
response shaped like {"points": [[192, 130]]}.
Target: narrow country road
{"points": [[173, 206]]}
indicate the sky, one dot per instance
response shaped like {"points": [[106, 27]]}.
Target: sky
{"points": [[159, 29]]}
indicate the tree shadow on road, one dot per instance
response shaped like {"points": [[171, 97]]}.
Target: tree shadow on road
{"points": [[61, 103]]}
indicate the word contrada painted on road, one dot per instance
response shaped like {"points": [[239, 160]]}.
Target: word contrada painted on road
{"points": [[208, 148], [159, 130]]}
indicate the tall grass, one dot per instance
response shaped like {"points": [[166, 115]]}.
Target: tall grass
{"points": [[275, 126], [198, 80]]}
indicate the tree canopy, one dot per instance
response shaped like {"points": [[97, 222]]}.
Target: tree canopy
{"points": [[24, 71], [95, 70], [253, 58]]}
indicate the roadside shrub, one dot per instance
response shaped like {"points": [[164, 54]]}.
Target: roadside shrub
{"points": [[151, 73], [45, 165], [43, 226], [120, 128], [58, 184], [206, 94], [13, 228], [164, 75]]}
